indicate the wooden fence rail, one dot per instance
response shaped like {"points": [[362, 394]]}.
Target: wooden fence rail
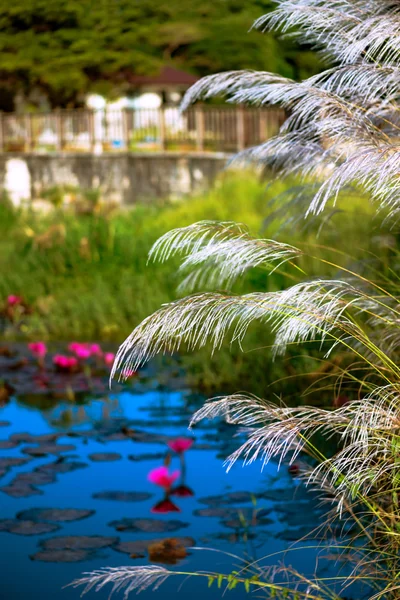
{"points": [[201, 128]]}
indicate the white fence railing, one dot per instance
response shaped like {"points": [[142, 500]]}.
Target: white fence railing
{"points": [[201, 128]]}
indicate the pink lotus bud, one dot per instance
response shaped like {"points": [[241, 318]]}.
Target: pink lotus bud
{"points": [[95, 349], [109, 358], [13, 300]]}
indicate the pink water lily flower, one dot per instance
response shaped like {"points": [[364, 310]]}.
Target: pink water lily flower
{"points": [[38, 349], [82, 352], [12, 300], [162, 477], [180, 445], [95, 349], [73, 346], [65, 363], [109, 358]]}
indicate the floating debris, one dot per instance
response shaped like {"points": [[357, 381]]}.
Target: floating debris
{"points": [[148, 525], [121, 496], [137, 548], [5, 423], [26, 526], [105, 456], [57, 515], [167, 552]]}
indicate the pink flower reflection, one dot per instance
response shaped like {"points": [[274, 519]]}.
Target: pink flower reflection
{"points": [[182, 491], [162, 477], [165, 506], [180, 445]]}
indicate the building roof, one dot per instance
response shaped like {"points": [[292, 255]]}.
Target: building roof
{"points": [[167, 76]]}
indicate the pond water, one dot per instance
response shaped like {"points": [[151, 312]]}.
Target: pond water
{"points": [[96, 461]]}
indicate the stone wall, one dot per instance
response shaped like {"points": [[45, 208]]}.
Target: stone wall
{"points": [[122, 177]]}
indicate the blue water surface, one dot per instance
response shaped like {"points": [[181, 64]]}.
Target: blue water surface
{"points": [[154, 412]]}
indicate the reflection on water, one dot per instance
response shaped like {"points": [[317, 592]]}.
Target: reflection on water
{"points": [[76, 493]]}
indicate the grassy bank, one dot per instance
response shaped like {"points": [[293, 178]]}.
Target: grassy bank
{"points": [[82, 270]]}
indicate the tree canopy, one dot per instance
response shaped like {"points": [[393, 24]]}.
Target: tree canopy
{"points": [[65, 49]]}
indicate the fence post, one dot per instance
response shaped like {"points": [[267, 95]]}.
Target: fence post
{"points": [[199, 120], [92, 135], [2, 145], [162, 130], [125, 128], [59, 129], [240, 128], [263, 124], [28, 132]]}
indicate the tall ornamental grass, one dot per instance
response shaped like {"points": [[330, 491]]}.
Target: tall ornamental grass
{"points": [[341, 130]]}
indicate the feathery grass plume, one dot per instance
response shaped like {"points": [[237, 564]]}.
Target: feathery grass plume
{"points": [[342, 129], [343, 124]]}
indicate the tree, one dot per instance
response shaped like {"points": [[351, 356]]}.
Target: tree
{"points": [[65, 49]]}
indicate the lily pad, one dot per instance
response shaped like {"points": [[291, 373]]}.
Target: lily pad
{"points": [[105, 456], [78, 542], [121, 496], [61, 466], [7, 444], [238, 523], [20, 490], [57, 515], [138, 547], [26, 526], [34, 478], [293, 535], [148, 456], [44, 449], [228, 512], [8, 463], [63, 556], [29, 438], [229, 498], [148, 525]]}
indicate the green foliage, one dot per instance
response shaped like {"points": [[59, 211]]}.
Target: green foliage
{"points": [[84, 272], [65, 49]]}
